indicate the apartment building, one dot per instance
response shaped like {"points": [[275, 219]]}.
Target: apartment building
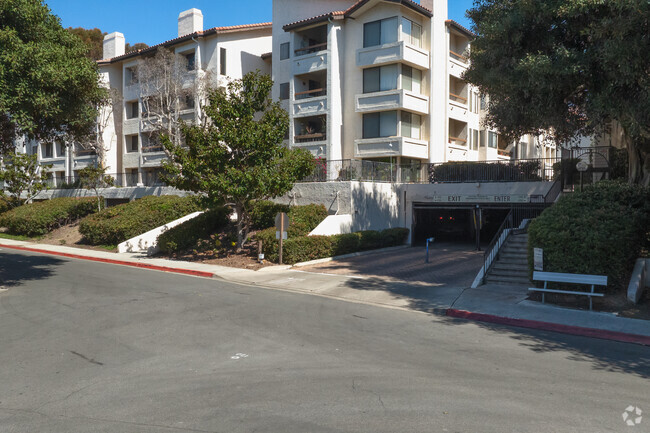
{"points": [[379, 80]]}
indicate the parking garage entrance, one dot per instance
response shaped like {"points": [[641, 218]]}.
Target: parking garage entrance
{"points": [[472, 224]]}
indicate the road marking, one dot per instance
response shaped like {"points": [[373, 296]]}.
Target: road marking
{"points": [[239, 356]]}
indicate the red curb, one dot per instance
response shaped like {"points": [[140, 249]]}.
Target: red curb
{"points": [[114, 262], [554, 327]]}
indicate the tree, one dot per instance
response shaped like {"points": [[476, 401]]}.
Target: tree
{"points": [[22, 172], [94, 178], [238, 157], [135, 47], [48, 87], [169, 84], [566, 67], [97, 141], [94, 40]]}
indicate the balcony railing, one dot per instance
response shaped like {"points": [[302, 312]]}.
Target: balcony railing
{"points": [[457, 141], [457, 98], [310, 49], [307, 138], [152, 149], [311, 93], [519, 170], [364, 171], [119, 180], [461, 58]]}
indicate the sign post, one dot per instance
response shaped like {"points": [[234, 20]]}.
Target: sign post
{"points": [[426, 260], [281, 225]]}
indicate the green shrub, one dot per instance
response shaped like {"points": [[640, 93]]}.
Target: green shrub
{"points": [[116, 224], [600, 231], [305, 248], [263, 214], [369, 240], [345, 244], [485, 171], [306, 218], [394, 237], [37, 219], [7, 203], [187, 234]]}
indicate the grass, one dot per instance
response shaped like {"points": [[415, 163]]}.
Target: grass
{"points": [[19, 237]]}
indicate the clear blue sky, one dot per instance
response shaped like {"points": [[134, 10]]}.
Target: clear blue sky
{"points": [[153, 22]]}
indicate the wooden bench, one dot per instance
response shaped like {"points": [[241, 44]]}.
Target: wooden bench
{"points": [[556, 277]]}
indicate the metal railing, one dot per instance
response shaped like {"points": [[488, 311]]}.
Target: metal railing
{"points": [[366, 171], [147, 178], [459, 57], [511, 224], [520, 170], [314, 93], [310, 49]]}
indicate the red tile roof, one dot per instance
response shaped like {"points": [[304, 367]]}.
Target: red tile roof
{"points": [[201, 34], [467, 32], [346, 13]]}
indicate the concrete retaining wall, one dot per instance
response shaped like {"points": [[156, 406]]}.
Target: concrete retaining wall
{"points": [[148, 242]]}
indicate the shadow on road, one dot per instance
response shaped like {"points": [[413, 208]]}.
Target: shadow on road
{"points": [[17, 268], [600, 354]]}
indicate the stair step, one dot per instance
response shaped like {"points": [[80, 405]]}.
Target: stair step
{"points": [[507, 266], [507, 280], [512, 256], [498, 273], [515, 249]]}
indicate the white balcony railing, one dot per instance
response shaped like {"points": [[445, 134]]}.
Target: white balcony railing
{"points": [[391, 146], [398, 99]]}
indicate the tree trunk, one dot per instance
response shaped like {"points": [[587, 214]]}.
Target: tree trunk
{"points": [[242, 226], [639, 165]]}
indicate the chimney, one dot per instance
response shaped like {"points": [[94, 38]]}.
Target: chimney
{"points": [[113, 45], [427, 4], [190, 21]]}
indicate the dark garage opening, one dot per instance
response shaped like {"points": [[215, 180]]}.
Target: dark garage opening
{"points": [[456, 224]]}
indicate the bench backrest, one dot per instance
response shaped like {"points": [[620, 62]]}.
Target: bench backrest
{"points": [[557, 277]]}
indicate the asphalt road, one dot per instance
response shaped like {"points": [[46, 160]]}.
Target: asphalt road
{"points": [[90, 347]]}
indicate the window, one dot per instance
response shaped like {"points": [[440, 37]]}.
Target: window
{"points": [[411, 32], [131, 76], [284, 51], [191, 61], [411, 124], [380, 79], [380, 124], [132, 110], [483, 102], [380, 32], [492, 139], [222, 60], [48, 150], [131, 143], [474, 133], [59, 148], [411, 79], [284, 91], [187, 102]]}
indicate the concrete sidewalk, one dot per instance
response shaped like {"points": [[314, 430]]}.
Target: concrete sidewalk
{"points": [[506, 302]]}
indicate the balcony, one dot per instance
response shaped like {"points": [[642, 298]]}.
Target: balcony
{"points": [[393, 53], [153, 158], [391, 146], [311, 62], [310, 103], [398, 99]]}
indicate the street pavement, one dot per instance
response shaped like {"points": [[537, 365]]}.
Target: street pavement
{"points": [[95, 347]]}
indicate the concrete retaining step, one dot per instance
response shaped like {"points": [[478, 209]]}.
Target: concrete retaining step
{"points": [[507, 280]]}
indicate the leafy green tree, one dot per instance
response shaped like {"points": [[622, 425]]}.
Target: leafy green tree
{"points": [[94, 178], [94, 40], [48, 87], [568, 67], [135, 47], [22, 173], [237, 157]]}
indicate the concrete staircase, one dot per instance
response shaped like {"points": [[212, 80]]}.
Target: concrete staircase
{"points": [[511, 266]]}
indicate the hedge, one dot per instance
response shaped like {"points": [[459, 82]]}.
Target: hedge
{"points": [[116, 224], [187, 234], [599, 231], [37, 219], [7, 203], [305, 248], [263, 214], [485, 171]]}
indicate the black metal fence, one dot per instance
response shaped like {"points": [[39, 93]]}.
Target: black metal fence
{"points": [[147, 179], [364, 170], [520, 170]]}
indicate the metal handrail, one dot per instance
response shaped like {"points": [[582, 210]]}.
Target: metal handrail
{"points": [[493, 247]]}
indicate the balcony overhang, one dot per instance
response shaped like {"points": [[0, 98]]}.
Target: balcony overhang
{"points": [[308, 63], [392, 53], [398, 99], [310, 107], [391, 146]]}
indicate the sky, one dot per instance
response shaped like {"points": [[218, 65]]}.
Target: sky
{"points": [[155, 21]]}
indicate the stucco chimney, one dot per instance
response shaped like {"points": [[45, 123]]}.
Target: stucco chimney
{"points": [[190, 21], [113, 45], [427, 4]]}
